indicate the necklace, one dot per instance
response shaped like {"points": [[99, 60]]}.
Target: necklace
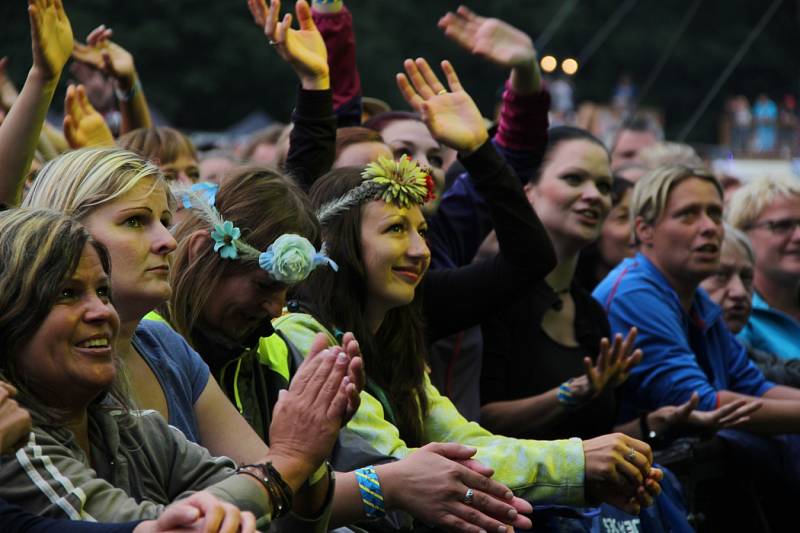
{"points": [[558, 305]]}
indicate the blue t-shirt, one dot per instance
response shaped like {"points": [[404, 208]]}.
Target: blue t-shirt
{"points": [[771, 331], [180, 370], [682, 352]]}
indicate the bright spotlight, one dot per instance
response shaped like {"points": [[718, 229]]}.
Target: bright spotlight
{"points": [[569, 66], [548, 64]]}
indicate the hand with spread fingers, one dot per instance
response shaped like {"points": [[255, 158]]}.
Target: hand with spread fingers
{"points": [[613, 364], [304, 49], [51, 35], [730, 415], [452, 491], [106, 56], [619, 472], [451, 116], [83, 125], [489, 38]]}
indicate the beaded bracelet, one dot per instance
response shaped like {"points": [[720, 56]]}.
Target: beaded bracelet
{"points": [[371, 495], [279, 492]]}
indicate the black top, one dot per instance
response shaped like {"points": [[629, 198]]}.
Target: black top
{"points": [[457, 298], [521, 360], [312, 143]]}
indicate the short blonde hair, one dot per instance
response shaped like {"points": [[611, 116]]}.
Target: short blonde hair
{"points": [[666, 153], [79, 181], [750, 200], [652, 191]]}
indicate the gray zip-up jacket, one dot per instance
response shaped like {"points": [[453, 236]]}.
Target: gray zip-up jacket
{"points": [[135, 471]]}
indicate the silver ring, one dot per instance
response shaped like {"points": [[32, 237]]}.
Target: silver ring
{"points": [[272, 43], [630, 455], [469, 496]]}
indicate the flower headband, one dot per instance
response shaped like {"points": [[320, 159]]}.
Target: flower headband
{"points": [[290, 259], [403, 183]]}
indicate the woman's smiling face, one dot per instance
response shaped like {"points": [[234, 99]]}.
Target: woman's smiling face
{"points": [[394, 252]]}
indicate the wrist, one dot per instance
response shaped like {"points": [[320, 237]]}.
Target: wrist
{"points": [[125, 82], [480, 140], [46, 80], [293, 471], [315, 83], [525, 77], [327, 6], [390, 475]]}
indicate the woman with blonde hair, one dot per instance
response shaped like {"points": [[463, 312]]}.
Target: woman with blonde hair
{"points": [[90, 455]]}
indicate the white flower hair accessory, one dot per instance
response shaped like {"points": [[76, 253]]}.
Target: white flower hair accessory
{"points": [[290, 259]]}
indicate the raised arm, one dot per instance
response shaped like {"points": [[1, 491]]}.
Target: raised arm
{"points": [[83, 125], [51, 38], [109, 57], [311, 144], [335, 23]]}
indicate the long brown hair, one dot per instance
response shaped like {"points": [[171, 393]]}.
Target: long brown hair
{"points": [[394, 356], [263, 204], [39, 250]]}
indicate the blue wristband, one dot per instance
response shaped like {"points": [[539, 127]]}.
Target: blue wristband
{"points": [[371, 494]]}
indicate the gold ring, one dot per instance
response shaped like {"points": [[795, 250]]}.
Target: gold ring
{"points": [[443, 91]]}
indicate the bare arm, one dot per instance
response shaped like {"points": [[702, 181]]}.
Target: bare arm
{"points": [[779, 412], [51, 36]]}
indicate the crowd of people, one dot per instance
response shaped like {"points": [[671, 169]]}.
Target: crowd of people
{"points": [[377, 320]]}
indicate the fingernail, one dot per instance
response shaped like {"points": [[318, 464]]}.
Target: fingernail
{"points": [[501, 529], [508, 495], [342, 357], [512, 514]]}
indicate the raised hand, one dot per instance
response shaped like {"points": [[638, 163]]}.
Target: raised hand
{"points": [[613, 364], [303, 49], [619, 471], [452, 117], [106, 56], [8, 93], [489, 38], [727, 416], [356, 377], [83, 125], [51, 37], [440, 485]]}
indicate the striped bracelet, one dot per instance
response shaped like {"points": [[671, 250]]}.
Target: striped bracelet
{"points": [[371, 494]]}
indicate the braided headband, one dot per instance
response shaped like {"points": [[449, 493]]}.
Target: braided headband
{"points": [[290, 259], [403, 183]]}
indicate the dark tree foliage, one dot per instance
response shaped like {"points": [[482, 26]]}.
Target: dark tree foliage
{"points": [[205, 65]]}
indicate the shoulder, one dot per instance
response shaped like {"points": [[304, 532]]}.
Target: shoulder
{"points": [[158, 339], [300, 329]]}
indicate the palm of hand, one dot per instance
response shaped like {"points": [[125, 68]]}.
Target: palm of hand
{"points": [[455, 120], [55, 41], [306, 52], [503, 44], [92, 130]]}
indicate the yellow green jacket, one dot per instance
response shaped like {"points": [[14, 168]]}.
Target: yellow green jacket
{"points": [[539, 471]]}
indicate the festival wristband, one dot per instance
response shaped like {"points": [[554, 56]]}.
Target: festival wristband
{"points": [[371, 495]]}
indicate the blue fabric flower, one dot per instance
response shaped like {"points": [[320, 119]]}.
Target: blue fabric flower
{"points": [[225, 237], [291, 258], [207, 191]]}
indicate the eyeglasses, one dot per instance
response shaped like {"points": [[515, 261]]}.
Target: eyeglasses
{"points": [[784, 226]]}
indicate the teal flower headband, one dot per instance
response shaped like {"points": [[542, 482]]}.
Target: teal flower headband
{"points": [[290, 259]]}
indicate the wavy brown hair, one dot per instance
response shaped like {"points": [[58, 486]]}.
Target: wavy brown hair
{"points": [[394, 356], [263, 204], [39, 250]]}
